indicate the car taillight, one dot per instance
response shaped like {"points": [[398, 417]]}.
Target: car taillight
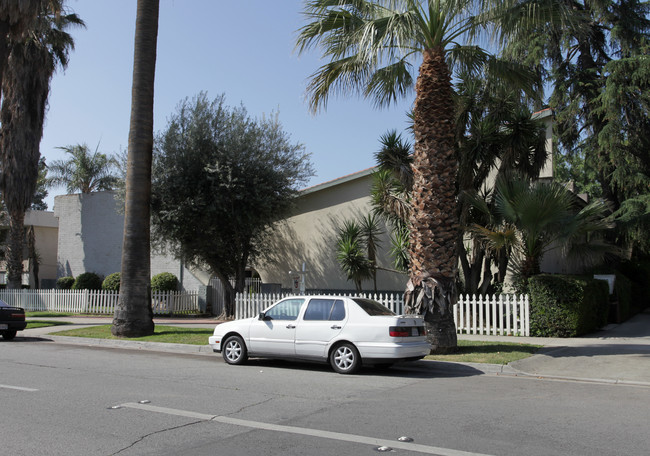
{"points": [[410, 331], [20, 316]]}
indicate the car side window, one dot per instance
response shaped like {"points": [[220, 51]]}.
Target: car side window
{"points": [[285, 310], [338, 311], [325, 309]]}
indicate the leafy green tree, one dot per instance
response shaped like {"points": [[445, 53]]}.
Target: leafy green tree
{"points": [[83, 172], [372, 47], [221, 182], [133, 314], [25, 89], [598, 69]]}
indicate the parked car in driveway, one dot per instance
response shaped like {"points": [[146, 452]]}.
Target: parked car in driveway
{"points": [[346, 332], [12, 320]]}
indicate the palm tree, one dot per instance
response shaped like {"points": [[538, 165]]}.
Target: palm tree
{"points": [[15, 17], [546, 216], [25, 87], [83, 172], [351, 254], [133, 314], [373, 47]]}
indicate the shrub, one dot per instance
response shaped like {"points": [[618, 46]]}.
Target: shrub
{"points": [[112, 282], [567, 306], [87, 281], [165, 281], [65, 283]]}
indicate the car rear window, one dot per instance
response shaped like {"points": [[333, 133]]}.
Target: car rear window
{"points": [[373, 308]]}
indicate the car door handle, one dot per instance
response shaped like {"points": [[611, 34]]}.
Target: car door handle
{"points": [[291, 326], [336, 327]]}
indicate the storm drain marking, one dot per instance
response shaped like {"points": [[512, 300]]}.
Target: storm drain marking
{"points": [[304, 431], [19, 388]]}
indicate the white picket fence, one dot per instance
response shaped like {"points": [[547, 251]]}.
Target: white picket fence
{"points": [[96, 301], [502, 315]]}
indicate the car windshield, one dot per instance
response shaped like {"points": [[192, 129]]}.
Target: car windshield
{"points": [[373, 308]]}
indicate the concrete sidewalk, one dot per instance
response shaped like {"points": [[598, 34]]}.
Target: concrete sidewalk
{"points": [[617, 354]]}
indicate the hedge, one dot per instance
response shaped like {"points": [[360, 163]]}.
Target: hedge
{"points": [[567, 306]]}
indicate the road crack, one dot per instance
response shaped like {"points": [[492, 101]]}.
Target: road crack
{"points": [[157, 432]]}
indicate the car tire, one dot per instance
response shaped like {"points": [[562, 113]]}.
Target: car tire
{"points": [[345, 358], [234, 351], [9, 334]]}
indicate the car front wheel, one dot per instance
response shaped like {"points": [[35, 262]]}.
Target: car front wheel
{"points": [[234, 350], [345, 358]]}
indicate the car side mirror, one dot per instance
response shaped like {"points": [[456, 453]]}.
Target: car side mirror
{"points": [[260, 316]]}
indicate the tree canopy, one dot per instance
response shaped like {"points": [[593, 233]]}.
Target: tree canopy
{"points": [[221, 179]]}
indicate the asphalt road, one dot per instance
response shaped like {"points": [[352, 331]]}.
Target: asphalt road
{"points": [[73, 400]]}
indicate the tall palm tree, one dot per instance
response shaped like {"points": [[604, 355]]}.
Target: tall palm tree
{"points": [[15, 17], [133, 314], [25, 86], [373, 47], [84, 171]]}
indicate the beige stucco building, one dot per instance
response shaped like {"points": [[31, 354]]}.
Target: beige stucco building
{"points": [[310, 236]]}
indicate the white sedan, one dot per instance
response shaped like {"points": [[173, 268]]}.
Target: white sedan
{"points": [[346, 332]]}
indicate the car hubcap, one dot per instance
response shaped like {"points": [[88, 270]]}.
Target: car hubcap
{"points": [[233, 351], [344, 358]]}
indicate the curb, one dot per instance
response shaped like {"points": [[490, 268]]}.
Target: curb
{"points": [[131, 344]]}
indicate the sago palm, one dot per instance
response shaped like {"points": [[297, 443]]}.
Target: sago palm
{"points": [[373, 48]]}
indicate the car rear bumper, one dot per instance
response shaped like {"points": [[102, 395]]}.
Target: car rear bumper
{"points": [[12, 325], [394, 351]]}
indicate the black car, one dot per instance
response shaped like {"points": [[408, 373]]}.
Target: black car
{"points": [[12, 320]]}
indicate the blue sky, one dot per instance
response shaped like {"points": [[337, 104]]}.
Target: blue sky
{"points": [[242, 48]]}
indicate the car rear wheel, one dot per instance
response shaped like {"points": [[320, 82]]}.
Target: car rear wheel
{"points": [[345, 358], [9, 334], [234, 350]]}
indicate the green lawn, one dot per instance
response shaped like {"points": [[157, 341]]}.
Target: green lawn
{"points": [[488, 352], [167, 334], [43, 323]]}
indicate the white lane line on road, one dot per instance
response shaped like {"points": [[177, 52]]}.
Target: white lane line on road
{"points": [[305, 431], [19, 388]]}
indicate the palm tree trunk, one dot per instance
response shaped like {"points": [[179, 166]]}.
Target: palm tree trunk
{"points": [[133, 314], [434, 220], [15, 250]]}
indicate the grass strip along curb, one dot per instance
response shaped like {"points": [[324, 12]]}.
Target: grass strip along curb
{"points": [[468, 351]]}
